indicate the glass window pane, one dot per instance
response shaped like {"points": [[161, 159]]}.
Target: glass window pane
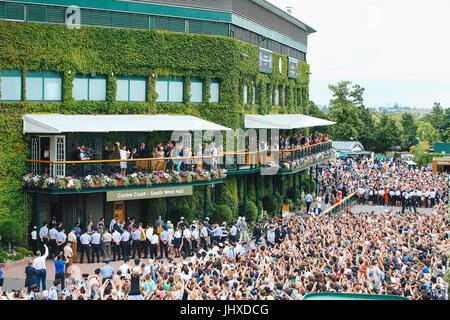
{"points": [[137, 90], [214, 90], [122, 90], [196, 92], [34, 89], [11, 88], [277, 95], [161, 90], [97, 89], [245, 94], [80, 89], [175, 91], [52, 89], [254, 95]]}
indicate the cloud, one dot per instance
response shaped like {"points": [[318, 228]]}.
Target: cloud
{"points": [[399, 47]]}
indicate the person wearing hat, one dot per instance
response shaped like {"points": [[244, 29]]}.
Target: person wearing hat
{"points": [[125, 243], [186, 246], [32, 292], [34, 240], [203, 235], [224, 233], [52, 233], [68, 253], [107, 239], [61, 238], [194, 238], [154, 239], [95, 245], [107, 270], [72, 239], [85, 240], [55, 290], [136, 240]]}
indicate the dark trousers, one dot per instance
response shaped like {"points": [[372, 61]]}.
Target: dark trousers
{"points": [[426, 202], [116, 250], [233, 238], [186, 247], [153, 250], [308, 204], [432, 201], [34, 246], [95, 252], [61, 277], [194, 245], [164, 249], [53, 248], [85, 249], [136, 248], [125, 249], [203, 243], [146, 247]]}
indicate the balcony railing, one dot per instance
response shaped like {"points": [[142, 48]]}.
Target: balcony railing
{"points": [[242, 159]]}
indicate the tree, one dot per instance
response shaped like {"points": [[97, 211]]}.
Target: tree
{"points": [[387, 134], [366, 130], [409, 129], [426, 132], [11, 231], [344, 112]]}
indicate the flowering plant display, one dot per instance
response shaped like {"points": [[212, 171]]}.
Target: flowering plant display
{"points": [[91, 181]]}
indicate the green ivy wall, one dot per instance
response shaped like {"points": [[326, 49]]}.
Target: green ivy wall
{"points": [[133, 53]]}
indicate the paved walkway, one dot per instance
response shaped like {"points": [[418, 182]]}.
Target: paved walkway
{"points": [[380, 209]]}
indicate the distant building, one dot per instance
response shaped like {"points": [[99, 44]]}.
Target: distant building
{"points": [[352, 149]]}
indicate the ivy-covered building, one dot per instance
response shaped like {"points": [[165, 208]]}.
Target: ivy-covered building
{"points": [[213, 60]]}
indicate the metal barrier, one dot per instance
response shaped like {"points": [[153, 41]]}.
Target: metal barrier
{"points": [[344, 203]]}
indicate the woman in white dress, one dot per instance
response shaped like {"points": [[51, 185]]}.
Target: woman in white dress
{"points": [[123, 164]]}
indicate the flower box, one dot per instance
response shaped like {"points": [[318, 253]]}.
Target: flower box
{"points": [[119, 182], [97, 185], [163, 180]]}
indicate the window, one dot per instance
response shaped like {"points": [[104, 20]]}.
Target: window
{"points": [[196, 90], [11, 85], [14, 11], [276, 99], [91, 88], [169, 89], [214, 91], [245, 94], [43, 86], [131, 89], [254, 94]]}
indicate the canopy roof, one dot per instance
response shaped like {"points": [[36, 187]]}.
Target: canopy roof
{"points": [[284, 121], [59, 123], [380, 156]]}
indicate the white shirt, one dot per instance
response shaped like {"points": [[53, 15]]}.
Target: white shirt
{"points": [[39, 262], [154, 239], [34, 235], [148, 233], [187, 234], [124, 268]]}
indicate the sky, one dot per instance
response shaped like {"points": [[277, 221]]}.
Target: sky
{"points": [[398, 50]]}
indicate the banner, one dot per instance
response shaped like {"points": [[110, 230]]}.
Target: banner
{"points": [[292, 68], [150, 193], [265, 60]]}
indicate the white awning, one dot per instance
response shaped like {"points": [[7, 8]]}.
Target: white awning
{"points": [[284, 121], [59, 123]]}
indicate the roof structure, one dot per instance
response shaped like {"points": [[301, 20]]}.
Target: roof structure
{"points": [[60, 123], [284, 121], [349, 147]]}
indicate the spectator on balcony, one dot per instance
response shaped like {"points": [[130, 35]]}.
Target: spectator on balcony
{"points": [[83, 153], [143, 152], [124, 154]]}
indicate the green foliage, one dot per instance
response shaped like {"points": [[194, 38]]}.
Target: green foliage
{"points": [[11, 231], [18, 256], [409, 129], [270, 204], [221, 213], [252, 212], [3, 256], [427, 132], [387, 134]]}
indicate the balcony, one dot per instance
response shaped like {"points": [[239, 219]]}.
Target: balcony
{"points": [[92, 174]]}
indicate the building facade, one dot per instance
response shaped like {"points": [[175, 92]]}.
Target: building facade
{"points": [[214, 60]]}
